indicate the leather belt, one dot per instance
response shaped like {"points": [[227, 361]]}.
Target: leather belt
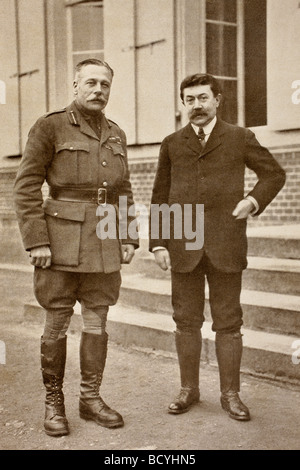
{"points": [[100, 196]]}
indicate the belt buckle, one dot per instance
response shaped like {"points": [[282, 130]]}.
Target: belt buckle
{"points": [[101, 196]]}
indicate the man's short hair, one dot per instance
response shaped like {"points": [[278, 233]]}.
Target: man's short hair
{"points": [[201, 79], [92, 61]]}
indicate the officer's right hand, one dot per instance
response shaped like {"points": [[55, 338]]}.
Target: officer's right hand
{"points": [[162, 258], [41, 256]]}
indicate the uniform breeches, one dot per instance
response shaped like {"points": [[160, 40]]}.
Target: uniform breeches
{"points": [[58, 291], [188, 298]]}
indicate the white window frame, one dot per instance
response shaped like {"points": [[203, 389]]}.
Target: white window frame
{"points": [[240, 77], [199, 26], [70, 52]]}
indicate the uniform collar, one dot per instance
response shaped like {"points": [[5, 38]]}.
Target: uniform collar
{"points": [[76, 118], [97, 118], [75, 115]]}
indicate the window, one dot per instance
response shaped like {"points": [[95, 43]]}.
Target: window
{"points": [[235, 51], [86, 24], [221, 51]]}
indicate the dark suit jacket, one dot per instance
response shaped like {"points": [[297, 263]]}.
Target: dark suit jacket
{"points": [[214, 177]]}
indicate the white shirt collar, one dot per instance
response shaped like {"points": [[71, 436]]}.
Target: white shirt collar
{"points": [[207, 129]]}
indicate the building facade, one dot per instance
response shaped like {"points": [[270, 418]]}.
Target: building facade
{"points": [[252, 46]]}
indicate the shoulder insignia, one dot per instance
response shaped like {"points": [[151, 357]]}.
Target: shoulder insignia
{"points": [[63, 110]]}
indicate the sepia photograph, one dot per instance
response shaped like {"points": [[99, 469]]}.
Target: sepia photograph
{"points": [[149, 228]]}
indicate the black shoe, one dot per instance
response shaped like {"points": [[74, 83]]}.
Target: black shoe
{"points": [[186, 398], [235, 408]]}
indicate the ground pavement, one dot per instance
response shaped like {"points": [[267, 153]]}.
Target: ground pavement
{"points": [[139, 383]]}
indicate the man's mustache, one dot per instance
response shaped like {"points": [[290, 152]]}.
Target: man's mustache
{"points": [[198, 113], [97, 100]]}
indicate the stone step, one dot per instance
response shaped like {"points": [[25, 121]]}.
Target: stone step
{"points": [[272, 312], [273, 275], [269, 312], [263, 311], [273, 241], [267, 355], [264, 274], [279, 241]]}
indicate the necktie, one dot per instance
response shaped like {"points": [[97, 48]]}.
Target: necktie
{"points": [[201, 136]]}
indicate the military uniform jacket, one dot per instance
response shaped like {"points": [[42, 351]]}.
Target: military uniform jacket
{"points": [[214, 177], [64, 151]]}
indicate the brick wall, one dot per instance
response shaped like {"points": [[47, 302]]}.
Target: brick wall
{"points": [[142, 179], [285, 208]]}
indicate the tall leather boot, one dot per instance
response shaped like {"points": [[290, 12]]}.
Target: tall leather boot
{"points": [[188, 346], [53, 359], [229, 354], [93, 351]]}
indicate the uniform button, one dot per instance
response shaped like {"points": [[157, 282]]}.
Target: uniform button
{"points": [[55, 213], [104, 183], [104, 163], [71, 148]]}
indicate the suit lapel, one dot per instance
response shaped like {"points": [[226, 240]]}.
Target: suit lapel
{"points": [[214, 139], [192, 140], [213, 142]]}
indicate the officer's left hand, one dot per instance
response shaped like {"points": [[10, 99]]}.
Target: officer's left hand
{"points": [[243, 209], [127, 253]]}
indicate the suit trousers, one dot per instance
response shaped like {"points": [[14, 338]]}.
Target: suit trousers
{"points": [[188, 298]]}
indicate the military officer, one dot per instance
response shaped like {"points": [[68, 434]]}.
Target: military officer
{"points": [[82, 156]]}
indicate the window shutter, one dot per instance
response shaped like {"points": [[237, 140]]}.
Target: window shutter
{"points": [[139, 44], [119, 53], [155, 70], [9, 68]]}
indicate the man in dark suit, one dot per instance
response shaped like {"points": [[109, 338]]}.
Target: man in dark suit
{"points": [[83, 158], [203, 165]]}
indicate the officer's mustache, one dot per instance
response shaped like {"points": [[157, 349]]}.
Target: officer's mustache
{"points": [[100, 100]]}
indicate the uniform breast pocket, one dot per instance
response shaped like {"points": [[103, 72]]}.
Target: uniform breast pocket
{"points": [[117, 158], [72, 163]]}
